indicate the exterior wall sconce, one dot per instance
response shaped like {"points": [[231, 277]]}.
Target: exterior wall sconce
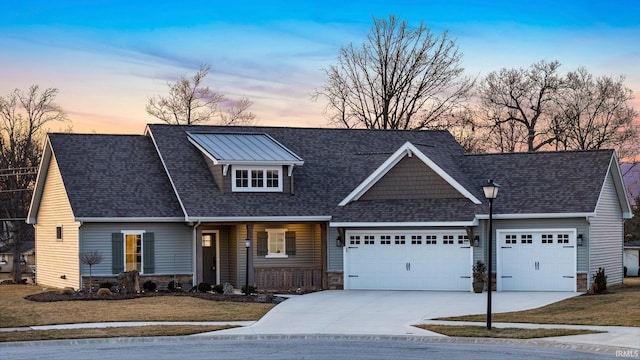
{"points": [[338, 241], [476, 241], [63, 277], [580, 239]]}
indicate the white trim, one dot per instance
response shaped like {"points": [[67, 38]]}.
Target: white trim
{"points": [[535, 216], [250, 170], [404, 224], [409, 150], [133, 232], [124, 239], [41, 178], [618, 180], [283, 254]]}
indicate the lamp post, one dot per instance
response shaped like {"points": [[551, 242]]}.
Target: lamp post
{"points": [[247, 244], [490, 192]]}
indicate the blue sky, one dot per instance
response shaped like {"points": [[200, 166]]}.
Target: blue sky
{"points": [[108, 57]]}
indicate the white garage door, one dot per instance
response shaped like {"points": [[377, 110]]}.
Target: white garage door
{"points": [[407, 260], [536, 260]]}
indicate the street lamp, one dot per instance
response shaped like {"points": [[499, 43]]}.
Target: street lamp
{"points": [[247, 244], [490, 192]]}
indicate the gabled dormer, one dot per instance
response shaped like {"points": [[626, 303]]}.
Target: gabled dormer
{"points": [[409, 174], [247, 162]]}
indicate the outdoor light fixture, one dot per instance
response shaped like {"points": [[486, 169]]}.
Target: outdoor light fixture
{"points": [[476, 241], [579, 239], [247, 244], [490, 192], [338, 241]]}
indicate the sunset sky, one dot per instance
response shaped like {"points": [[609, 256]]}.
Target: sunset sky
{"points": [[108, 57]]}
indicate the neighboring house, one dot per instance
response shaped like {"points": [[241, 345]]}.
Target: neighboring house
{"points": [[632, 257], [322, 208], [27, 254]]}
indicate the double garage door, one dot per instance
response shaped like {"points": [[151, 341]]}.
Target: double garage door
{"points": [[536, 260], [408, 260]]}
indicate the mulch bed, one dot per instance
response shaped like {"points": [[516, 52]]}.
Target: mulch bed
{"points": [[49, 296]]}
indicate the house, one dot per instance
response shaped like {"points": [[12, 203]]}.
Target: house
{"points": [[322, 208], [27, 254], [632, 258]]}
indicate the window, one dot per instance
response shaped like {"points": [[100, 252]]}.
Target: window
{"points": [[59, 232], [354, 240], [264, 179], [133, 252], [462, 239], [526, 239], [385, 239], [547, 238], [416, 239], [447, 239], [369, 240], [276, 244], [563, 238], [400, 240], [431, 239], [511, 239]]}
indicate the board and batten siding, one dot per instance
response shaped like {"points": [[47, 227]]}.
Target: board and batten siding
{"points": [[56, 258], [607, 235], [334, 253], [580, 224], [173, 246], [308, 249]]}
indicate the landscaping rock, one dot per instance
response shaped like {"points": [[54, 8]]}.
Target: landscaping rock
{"points": [[227, 289]]}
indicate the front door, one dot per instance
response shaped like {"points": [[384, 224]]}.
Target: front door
{"points": [[210, 269]]}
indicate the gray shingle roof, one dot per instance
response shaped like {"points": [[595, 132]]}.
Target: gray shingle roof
{"points": [[123, 176], [114, 176]]}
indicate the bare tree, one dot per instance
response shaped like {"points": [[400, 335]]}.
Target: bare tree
{"points": [[91, 258], [23, 116], [191, 102], [399, 78], [594, 113], [520, 105], [237, 113]]}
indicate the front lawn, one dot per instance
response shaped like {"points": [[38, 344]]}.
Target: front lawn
{"points": [[619, 307]]}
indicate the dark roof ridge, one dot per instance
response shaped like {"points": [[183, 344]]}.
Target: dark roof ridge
{"points": [[295, 127], [540, 152], [57, 133]]}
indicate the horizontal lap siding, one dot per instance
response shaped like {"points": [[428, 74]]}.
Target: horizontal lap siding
{"points": [[607, 235], [56, 258], [173, 245]]}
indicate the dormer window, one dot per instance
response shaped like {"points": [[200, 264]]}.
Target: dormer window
{"points": [[257, 178], [247, 162]]}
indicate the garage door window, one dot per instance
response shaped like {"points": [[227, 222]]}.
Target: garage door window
{"points": [[416, 239], [526, 239], [547, 239], [511, 239], [447, 239], [463, 239], [385, 239], [563, 238], [354, 240], [430, 239], [400, 240], [369, 240]]}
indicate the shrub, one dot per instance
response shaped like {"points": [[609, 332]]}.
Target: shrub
{"points": [[600, 281], [204, 287], [218, 289], [67, 291], [104, 292], [174, 286], [479, 271], [149, 286], [106, 285], [252, 289]]}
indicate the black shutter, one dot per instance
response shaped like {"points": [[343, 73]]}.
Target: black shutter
{"points": [[263, 247], [117, 253], [290, 242], [148, 257]]}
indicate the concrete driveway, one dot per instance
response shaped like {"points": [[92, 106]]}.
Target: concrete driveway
{"points": [[359, 312]]}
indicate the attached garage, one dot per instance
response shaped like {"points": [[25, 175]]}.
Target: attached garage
{"points": [[536, 260], [408, 260]]}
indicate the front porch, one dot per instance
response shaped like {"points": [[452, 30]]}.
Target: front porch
{"points": [[280, 257]]}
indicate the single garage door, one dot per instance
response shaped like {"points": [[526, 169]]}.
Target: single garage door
{"points": [[407, 260], [536, 260]]}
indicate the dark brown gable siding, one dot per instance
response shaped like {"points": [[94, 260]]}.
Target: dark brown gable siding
{"points": [[411, 179]]}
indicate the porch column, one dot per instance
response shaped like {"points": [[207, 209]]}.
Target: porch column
{"points": [[198, 276], [324, 241], [250, 267]]}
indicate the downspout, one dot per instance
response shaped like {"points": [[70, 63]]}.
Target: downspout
{"points": [[194, 254]]}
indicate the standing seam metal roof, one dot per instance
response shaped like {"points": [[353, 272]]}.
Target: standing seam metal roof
{"points": [[245, 147]]}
